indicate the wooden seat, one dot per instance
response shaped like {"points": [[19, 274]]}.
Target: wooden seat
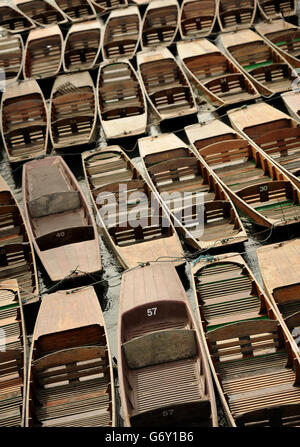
{"points": [[13, 20], [77, 9], [82, 49], [160, 26], [43, 57], [197, 18], [121, 37], [42, 12]]}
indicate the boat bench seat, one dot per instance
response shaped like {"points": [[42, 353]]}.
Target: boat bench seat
{"points": [[65, 236], [160, 347], [271, 416], [284, 143], [236, 16], [272, 194], [124, 47], [53, 203], [232, 84], [270, 73], [289, 41]]}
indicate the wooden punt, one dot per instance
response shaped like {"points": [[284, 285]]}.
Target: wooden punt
{"points": [[13, 356], [14, 20], [24, 121], [160, 23], [121, 34], [73, 111], [42, 12], [279, 266], [262, 63], [285, 37], [160, 351], [121, 100], [215, 75], [166, 85], [70, 381], [292, 103], [43, 53], [61, 225], [276, 133], [77, 10], [256, 185], [133, 239], [17, 260], [82, 46], [271, 9], [11, 55], [197, 18], [255, 367], [234, 15], [104, 6], [202, 212]]}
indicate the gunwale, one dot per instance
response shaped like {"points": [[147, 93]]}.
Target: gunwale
{"points": [[274, 30], [61, 317], [17, 91], [263, 114], [246, 39], [75, 259], [210, 139], [148, 286], [155, 58], [129, 256], [38, 35], [170, 142], [211, 4], [267, 308], [243, 7], [125, 15], [124, 126], [197, 49], [79, 81], [163, 7], [78, 28]]}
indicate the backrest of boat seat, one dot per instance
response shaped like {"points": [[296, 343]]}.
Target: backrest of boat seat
{"points": [[180, 414], [273, 416], [70, 364], [174, 170], [213, 64], [276, 190], [57, 202], [287, 294], [225, 151], [252, 53], [288, 42], [293, 321], [244, 339], [159, 157], [279, 140], [161, 346], [197, 10], [65, 236]]}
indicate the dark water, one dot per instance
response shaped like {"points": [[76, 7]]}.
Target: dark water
{"points": [[108, 293]]}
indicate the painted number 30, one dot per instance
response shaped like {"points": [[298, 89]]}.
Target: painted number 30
{"points": [[263, 188], [151, 311]]}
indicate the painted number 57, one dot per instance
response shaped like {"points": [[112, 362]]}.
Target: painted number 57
{"points": [[151, 311]]}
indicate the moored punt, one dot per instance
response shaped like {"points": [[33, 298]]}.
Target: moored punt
{"points": [[292, 103], [108, 172], [255, 367], [160, 350], [82, 46], [43, 52], [121, 34], [121, 100], [24, 121], [13, 356], [284, 36], [215, 75], [279, 266], [167, 87], [41, 12], [73, 111], [276, 133], [202, 212], [77, 10], [14, 20], [197, 18], [11, 55], [60, 222], [70, 381], [271, 9], [17, 260], [104, 6], [262, 63], [234, 15], [256, 185], [160, 23]]}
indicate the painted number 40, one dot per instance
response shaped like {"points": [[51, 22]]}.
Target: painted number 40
{"points": [[151, 311]]}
